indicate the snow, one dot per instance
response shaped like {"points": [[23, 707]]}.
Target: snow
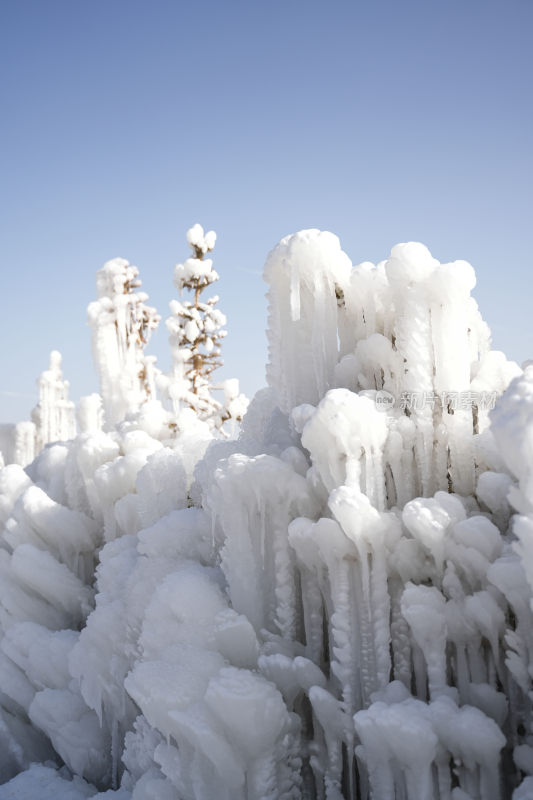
{"points": [[330, 601]]}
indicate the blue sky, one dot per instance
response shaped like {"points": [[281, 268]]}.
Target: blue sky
{"points": [[123, 122]]}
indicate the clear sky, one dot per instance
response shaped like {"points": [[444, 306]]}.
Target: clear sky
{"points": [[123, 122]]}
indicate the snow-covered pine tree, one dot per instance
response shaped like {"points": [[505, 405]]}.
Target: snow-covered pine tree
{"points": [[196, 331], [122, 324]]}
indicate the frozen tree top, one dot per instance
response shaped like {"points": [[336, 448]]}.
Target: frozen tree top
{"points": [[117, 276], [201, 242], [197, 272]]}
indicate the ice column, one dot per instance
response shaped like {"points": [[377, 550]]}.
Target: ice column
{"points": [[306, 273], [24, 443], [54, 415], [122, 324]]}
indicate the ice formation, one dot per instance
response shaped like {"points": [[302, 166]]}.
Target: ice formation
{"points": [[130, 382], [337, 604], [122, 323], [53, 418]]}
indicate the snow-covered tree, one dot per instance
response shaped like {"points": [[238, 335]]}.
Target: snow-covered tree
{"points": [[122, 324], [196, 332], [54, 415]]}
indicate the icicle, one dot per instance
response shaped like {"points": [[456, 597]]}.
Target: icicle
{"points": [[302, 273], [25, 443]]}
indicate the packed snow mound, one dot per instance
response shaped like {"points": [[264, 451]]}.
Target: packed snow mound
{"points": [[336, 604]]}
